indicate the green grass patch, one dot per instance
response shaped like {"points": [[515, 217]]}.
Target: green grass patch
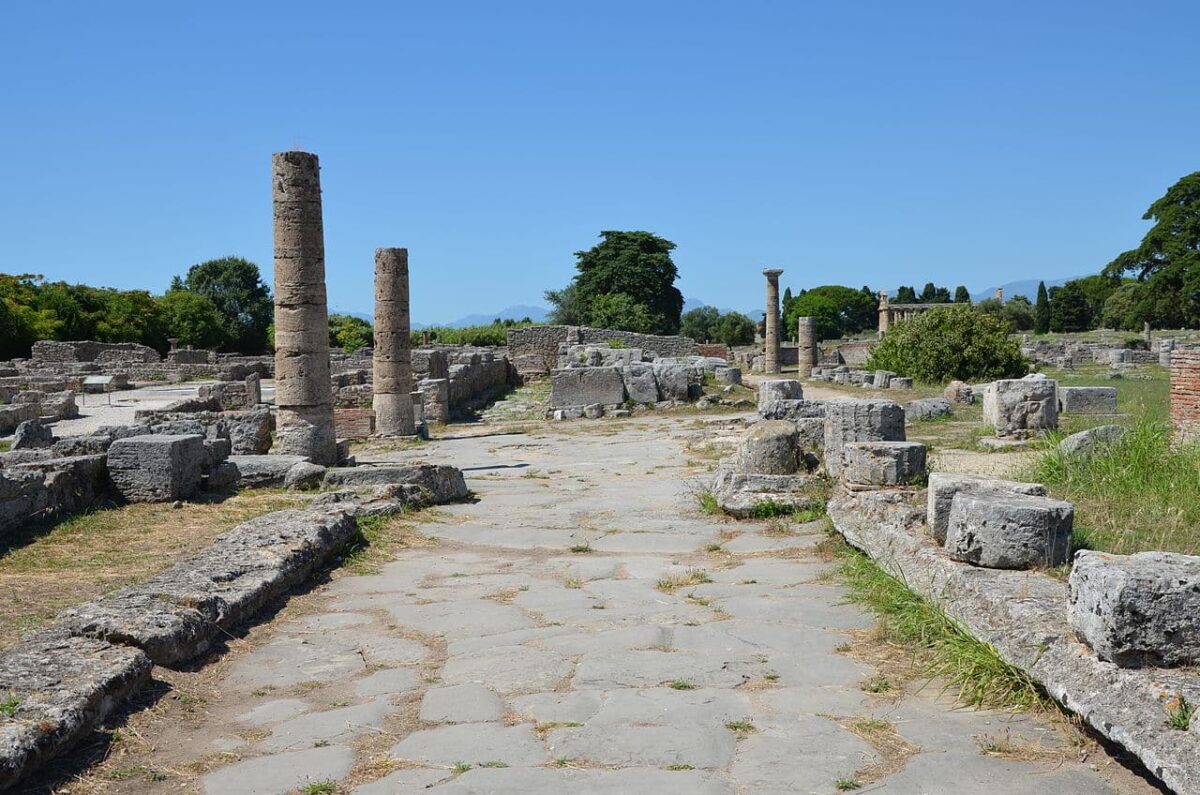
{"points": [[971, 667], [1141, 493]]}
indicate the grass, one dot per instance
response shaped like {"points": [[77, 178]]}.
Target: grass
{"points": [[8, 707], [741, 727], [708, 502], [970, 667], [1179, 713], [47, 567], [1141, 493], [681, 684], [689, 577], [320, 788]]}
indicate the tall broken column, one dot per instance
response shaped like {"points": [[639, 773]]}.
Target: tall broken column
{"points": [[806, 346], [393, 355], [771, 321], [303, 395]]}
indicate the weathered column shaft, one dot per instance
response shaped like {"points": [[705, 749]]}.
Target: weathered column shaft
{"points": [[806, 341], [393, 345], [771, 324], [303, 395]]}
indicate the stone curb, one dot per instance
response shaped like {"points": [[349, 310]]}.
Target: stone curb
{"points": [[1024, 616]]}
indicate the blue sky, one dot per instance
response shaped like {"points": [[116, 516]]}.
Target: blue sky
{"points": [[859, 143]]}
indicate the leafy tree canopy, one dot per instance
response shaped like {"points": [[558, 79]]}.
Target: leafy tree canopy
{"points": [[837, 311], [1041, 311], [962, 295], [350, 333], [698, 323], [733, 328], [193, 319], [236, 288]]}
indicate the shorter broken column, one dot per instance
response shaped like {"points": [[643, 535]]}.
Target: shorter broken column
{"points": [[392, 379], [808, 354], [1009, 531], [944, 485], [859, 421], [875, 464]]}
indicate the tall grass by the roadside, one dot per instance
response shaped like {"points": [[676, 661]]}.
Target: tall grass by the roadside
{"points": [[1140, 493], [971, 668]]}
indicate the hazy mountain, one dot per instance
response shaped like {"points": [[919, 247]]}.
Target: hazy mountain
{"points": [[537, 314]]}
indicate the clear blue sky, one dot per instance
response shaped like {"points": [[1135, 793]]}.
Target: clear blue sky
{"points": [[858, 143]]}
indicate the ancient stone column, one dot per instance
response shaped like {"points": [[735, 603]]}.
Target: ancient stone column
{"points": [[806, 342], [771, 322], [303, 395], [393, 355]]}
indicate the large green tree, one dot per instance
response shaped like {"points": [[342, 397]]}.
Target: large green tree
{"points": [[350, 333], [627, 279], [193, 319], [962, 295], [838, 311], [1168, 259], [1069, 310], [733, 328], [698, 323], [906, 295], [237, 289]]}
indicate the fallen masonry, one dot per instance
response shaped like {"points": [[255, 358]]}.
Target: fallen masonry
{"points": [[64, 681]]}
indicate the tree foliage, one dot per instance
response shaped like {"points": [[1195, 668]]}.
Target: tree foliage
{"points": [[962, 295], [957, 342], [236, 288], [350, 333], [906, 295], [625, 282], [837, 311], [698, 323], [193, 319], [733, 328], [1041, 311]]}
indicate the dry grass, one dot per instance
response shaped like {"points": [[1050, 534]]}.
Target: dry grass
{"points": [[48, 567], [892, 750], [689, 577]]}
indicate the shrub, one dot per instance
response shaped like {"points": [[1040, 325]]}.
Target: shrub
{"points": [[950, 343]]}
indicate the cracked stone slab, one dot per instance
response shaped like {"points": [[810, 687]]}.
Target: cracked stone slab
{"points": [[280, 774], [466, 703], [474, 744]]}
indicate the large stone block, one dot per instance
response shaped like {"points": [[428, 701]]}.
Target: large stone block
{"points": [[1087, 399], [1137, 610], [1009, 531], [1091, 441], [745, 495], [770, 448], [727, 375], [779, 389], [32, 434], [579, 386], [433, 483], [158, 468], [639, 383], [944, 485], [1021, 407], [883, 463], [672, 382], [927, 409], [859, 421], [794, 410]]}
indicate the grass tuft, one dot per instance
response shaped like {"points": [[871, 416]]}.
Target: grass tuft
{"points": [[1179, 713]]}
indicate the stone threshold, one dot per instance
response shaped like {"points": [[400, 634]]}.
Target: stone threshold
{"points": [[1023, 614]]}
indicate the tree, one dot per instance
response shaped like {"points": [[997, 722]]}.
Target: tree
{"points": [[787, 295], [836, 310], [961, 295], [621, 312], [193, 319], [733, 328], [906, 295], [350, 333], [1122, 308], [1017, 312], [1069, 308], [928, 293], [698, 323], [565, 309], [945, 343], [235, 286], [1041, 312], [634, 265]]}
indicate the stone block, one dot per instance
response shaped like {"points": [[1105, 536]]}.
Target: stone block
{"points": [[639, 383], [32, 434], [579, 386], [882, 379], [1009, 531], [673, 382], [258, 471], [593, 411], [779, 389], [745, 495], [883, 463], [438, 484], [770, 448], [727, 375], [810, 433], [304, 475], [792, 409], [927, 409], [1087, 399], [157, 468], [944, 485], [859, 421], [1137, 610], [959, 392], [14, 415], [1091, 441], [898, 382], [1021, 407]]}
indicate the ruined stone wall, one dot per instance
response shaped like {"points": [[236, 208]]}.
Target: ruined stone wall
{"points": [[1185, 393], [534, 349], [89, 351], [192, 356]]}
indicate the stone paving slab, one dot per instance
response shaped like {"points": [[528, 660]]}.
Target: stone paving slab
{"points": [[507, 658]]}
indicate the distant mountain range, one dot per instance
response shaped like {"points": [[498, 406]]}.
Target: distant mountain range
{"points": [[1025, 287]]}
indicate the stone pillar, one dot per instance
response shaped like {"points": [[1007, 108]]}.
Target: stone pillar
{"points": [[806, 342], [393, 356], [771, 322], [303, 394], [884, 312], [1000, 294], [1146, 333]]}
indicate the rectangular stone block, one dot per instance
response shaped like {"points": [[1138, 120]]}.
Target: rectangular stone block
{"points": [[883, 463], [640, 383], [944, 485], [1087, 399], [156, 468], [859, 421], [1021, 407], [1137, 610], [579, 386], [1009, 531]]}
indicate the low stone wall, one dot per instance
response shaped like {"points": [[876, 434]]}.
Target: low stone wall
{"points": [[89, 351], [1023, 614], [535, 349]]}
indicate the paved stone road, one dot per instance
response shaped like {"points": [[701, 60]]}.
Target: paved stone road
{"points": [[559, 638]]}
